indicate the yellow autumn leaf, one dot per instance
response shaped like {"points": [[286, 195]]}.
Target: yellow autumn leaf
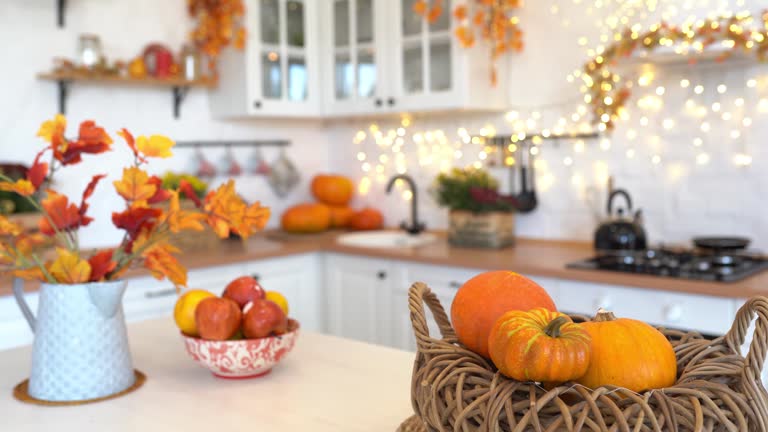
{"points": [[8, 228], [69, 268], [135, 186], [53, 128], [178, 219], [155, 146], [22, 187], [224, 209], [254, 220]]}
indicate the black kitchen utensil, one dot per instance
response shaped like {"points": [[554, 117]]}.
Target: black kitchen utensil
{"points": [[619, 233], [721, 243]]}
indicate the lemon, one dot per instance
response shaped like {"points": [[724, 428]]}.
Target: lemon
{"points": [[279, 299], [184, 311]]}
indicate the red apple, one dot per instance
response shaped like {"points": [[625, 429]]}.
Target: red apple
{"points": [[243, 290], [217, 318], [262, 318]]}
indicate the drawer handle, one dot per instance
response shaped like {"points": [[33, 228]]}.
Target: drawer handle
{"points": [[454, 284], [256, 277], [160, 293], [381, 275], [673, 313], [603, 303]]}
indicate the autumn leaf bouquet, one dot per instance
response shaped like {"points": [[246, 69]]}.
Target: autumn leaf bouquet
{"points": [[152, 213]]}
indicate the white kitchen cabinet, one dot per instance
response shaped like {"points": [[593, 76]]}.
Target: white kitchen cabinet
{"points": [[382, 58], [277, 73], [358, 298], [298, 278]]}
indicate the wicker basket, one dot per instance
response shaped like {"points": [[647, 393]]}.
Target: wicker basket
{"points": [[454, 389]]}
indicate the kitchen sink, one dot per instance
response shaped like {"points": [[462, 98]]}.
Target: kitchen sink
{"points": [[385, 239]]}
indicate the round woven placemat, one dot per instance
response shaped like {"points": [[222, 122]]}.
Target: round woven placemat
{"points": [[21, 393]]}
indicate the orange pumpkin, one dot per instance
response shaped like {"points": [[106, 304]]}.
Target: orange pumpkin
{"points": [[482, 300], [341, 216], [367, 219], [628, 353], [539, 345], [333, 190], [306, 218]]}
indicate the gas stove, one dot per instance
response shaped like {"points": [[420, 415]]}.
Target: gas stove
{"points": [[693, 264]]}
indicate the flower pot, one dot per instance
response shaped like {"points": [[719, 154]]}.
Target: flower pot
{"points": [[482, 230], [80, 351]]}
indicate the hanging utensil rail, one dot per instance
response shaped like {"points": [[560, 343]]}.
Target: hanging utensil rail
{"points": [[254, 143]]}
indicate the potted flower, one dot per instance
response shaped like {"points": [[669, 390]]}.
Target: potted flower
{"points": [[479, 216], [80, 351]]}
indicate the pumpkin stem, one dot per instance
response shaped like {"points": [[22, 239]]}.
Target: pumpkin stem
{"points": [[553, 328], [604, 316]]}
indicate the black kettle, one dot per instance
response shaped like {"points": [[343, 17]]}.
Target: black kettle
{"points": [[619, 232]]}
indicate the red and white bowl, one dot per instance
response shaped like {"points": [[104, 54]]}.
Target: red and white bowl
{"points": [[242, 359]]}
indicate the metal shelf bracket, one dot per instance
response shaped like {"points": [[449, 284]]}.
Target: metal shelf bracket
{"points": [[179, 94]]}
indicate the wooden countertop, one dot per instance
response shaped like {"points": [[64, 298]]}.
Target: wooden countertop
{"points": [[326, 384], [544, 258]]}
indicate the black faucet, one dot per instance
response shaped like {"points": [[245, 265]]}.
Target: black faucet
{"points": [[415, 227]]}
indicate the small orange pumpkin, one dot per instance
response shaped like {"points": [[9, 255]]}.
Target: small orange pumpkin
{"points": [[539, 345], [341, 216], [333, 190], [367, 219], [628, 353], [306, 218]]}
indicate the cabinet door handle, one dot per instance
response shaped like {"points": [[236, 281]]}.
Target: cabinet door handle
{"points": [[256, 276], [381, 275], [378, 102], [455, 284], [603, 303], [160, 293], [391, 101], [257, 104]]}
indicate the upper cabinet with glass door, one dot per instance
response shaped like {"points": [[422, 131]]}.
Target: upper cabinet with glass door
{"points": [[433, 72], [277, 74], [354, 55]]}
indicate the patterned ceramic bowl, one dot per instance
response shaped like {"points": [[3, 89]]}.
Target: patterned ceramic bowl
{"points": [[242, 359]]}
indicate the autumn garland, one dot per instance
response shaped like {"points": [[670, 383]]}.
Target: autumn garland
{"points": [[147, 227], [218, 24], [608, 94]]}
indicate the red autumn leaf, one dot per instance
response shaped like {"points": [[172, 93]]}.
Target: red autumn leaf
{"points": [[36, 174], [91, 140], [128, 137], [101, 264], [63, 214], [186, 188], [161, 195], [134, 219], [87, 194]]}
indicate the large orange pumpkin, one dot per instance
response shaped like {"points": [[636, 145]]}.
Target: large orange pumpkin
{"points": [[367, 219], [306, 218], [539, 345], [341, 216], [333, 190], [628, 353], [482, 300]]}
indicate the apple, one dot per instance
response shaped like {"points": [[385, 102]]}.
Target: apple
{"points": [[218, 318], [243, 290], [262, 318]]}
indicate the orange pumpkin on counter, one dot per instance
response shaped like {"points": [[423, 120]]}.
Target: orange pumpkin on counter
{"points": [[333, 190], [341, 216], [367, 219], [539, 345], [482, 300], [628, 353], [306, 218]]}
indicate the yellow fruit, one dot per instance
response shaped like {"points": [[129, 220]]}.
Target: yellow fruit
{"points": [[278, 298], [184, 311]]}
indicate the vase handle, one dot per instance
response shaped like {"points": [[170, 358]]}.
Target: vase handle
{"points": [[18, 293]]}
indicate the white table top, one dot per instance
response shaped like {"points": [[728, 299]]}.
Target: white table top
{"points": [[325, 384]]}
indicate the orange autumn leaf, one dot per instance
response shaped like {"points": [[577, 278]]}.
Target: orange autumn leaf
{"points": [[52, 131], [224, 209], [22, 187], [164, 265], [27, 242], [179, 220], [135, 186], [29, 274], [420, 7], [69, 268], [131, 142], [63, 214], [461, 12], [135, 219], [8, 228], [101, 265], [38, 171], [155, 146], [89, 189], [254, 220]]}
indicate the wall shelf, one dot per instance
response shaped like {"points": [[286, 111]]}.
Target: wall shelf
{"points": [[179, 86]]}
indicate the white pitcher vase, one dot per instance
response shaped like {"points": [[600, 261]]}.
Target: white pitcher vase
{"points": [[80, 351]]}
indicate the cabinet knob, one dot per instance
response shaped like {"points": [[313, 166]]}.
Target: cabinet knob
{"points": [[256, 276], [381, 275], [455, 284], [257, 104], [378, 102], [391, 101]]}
